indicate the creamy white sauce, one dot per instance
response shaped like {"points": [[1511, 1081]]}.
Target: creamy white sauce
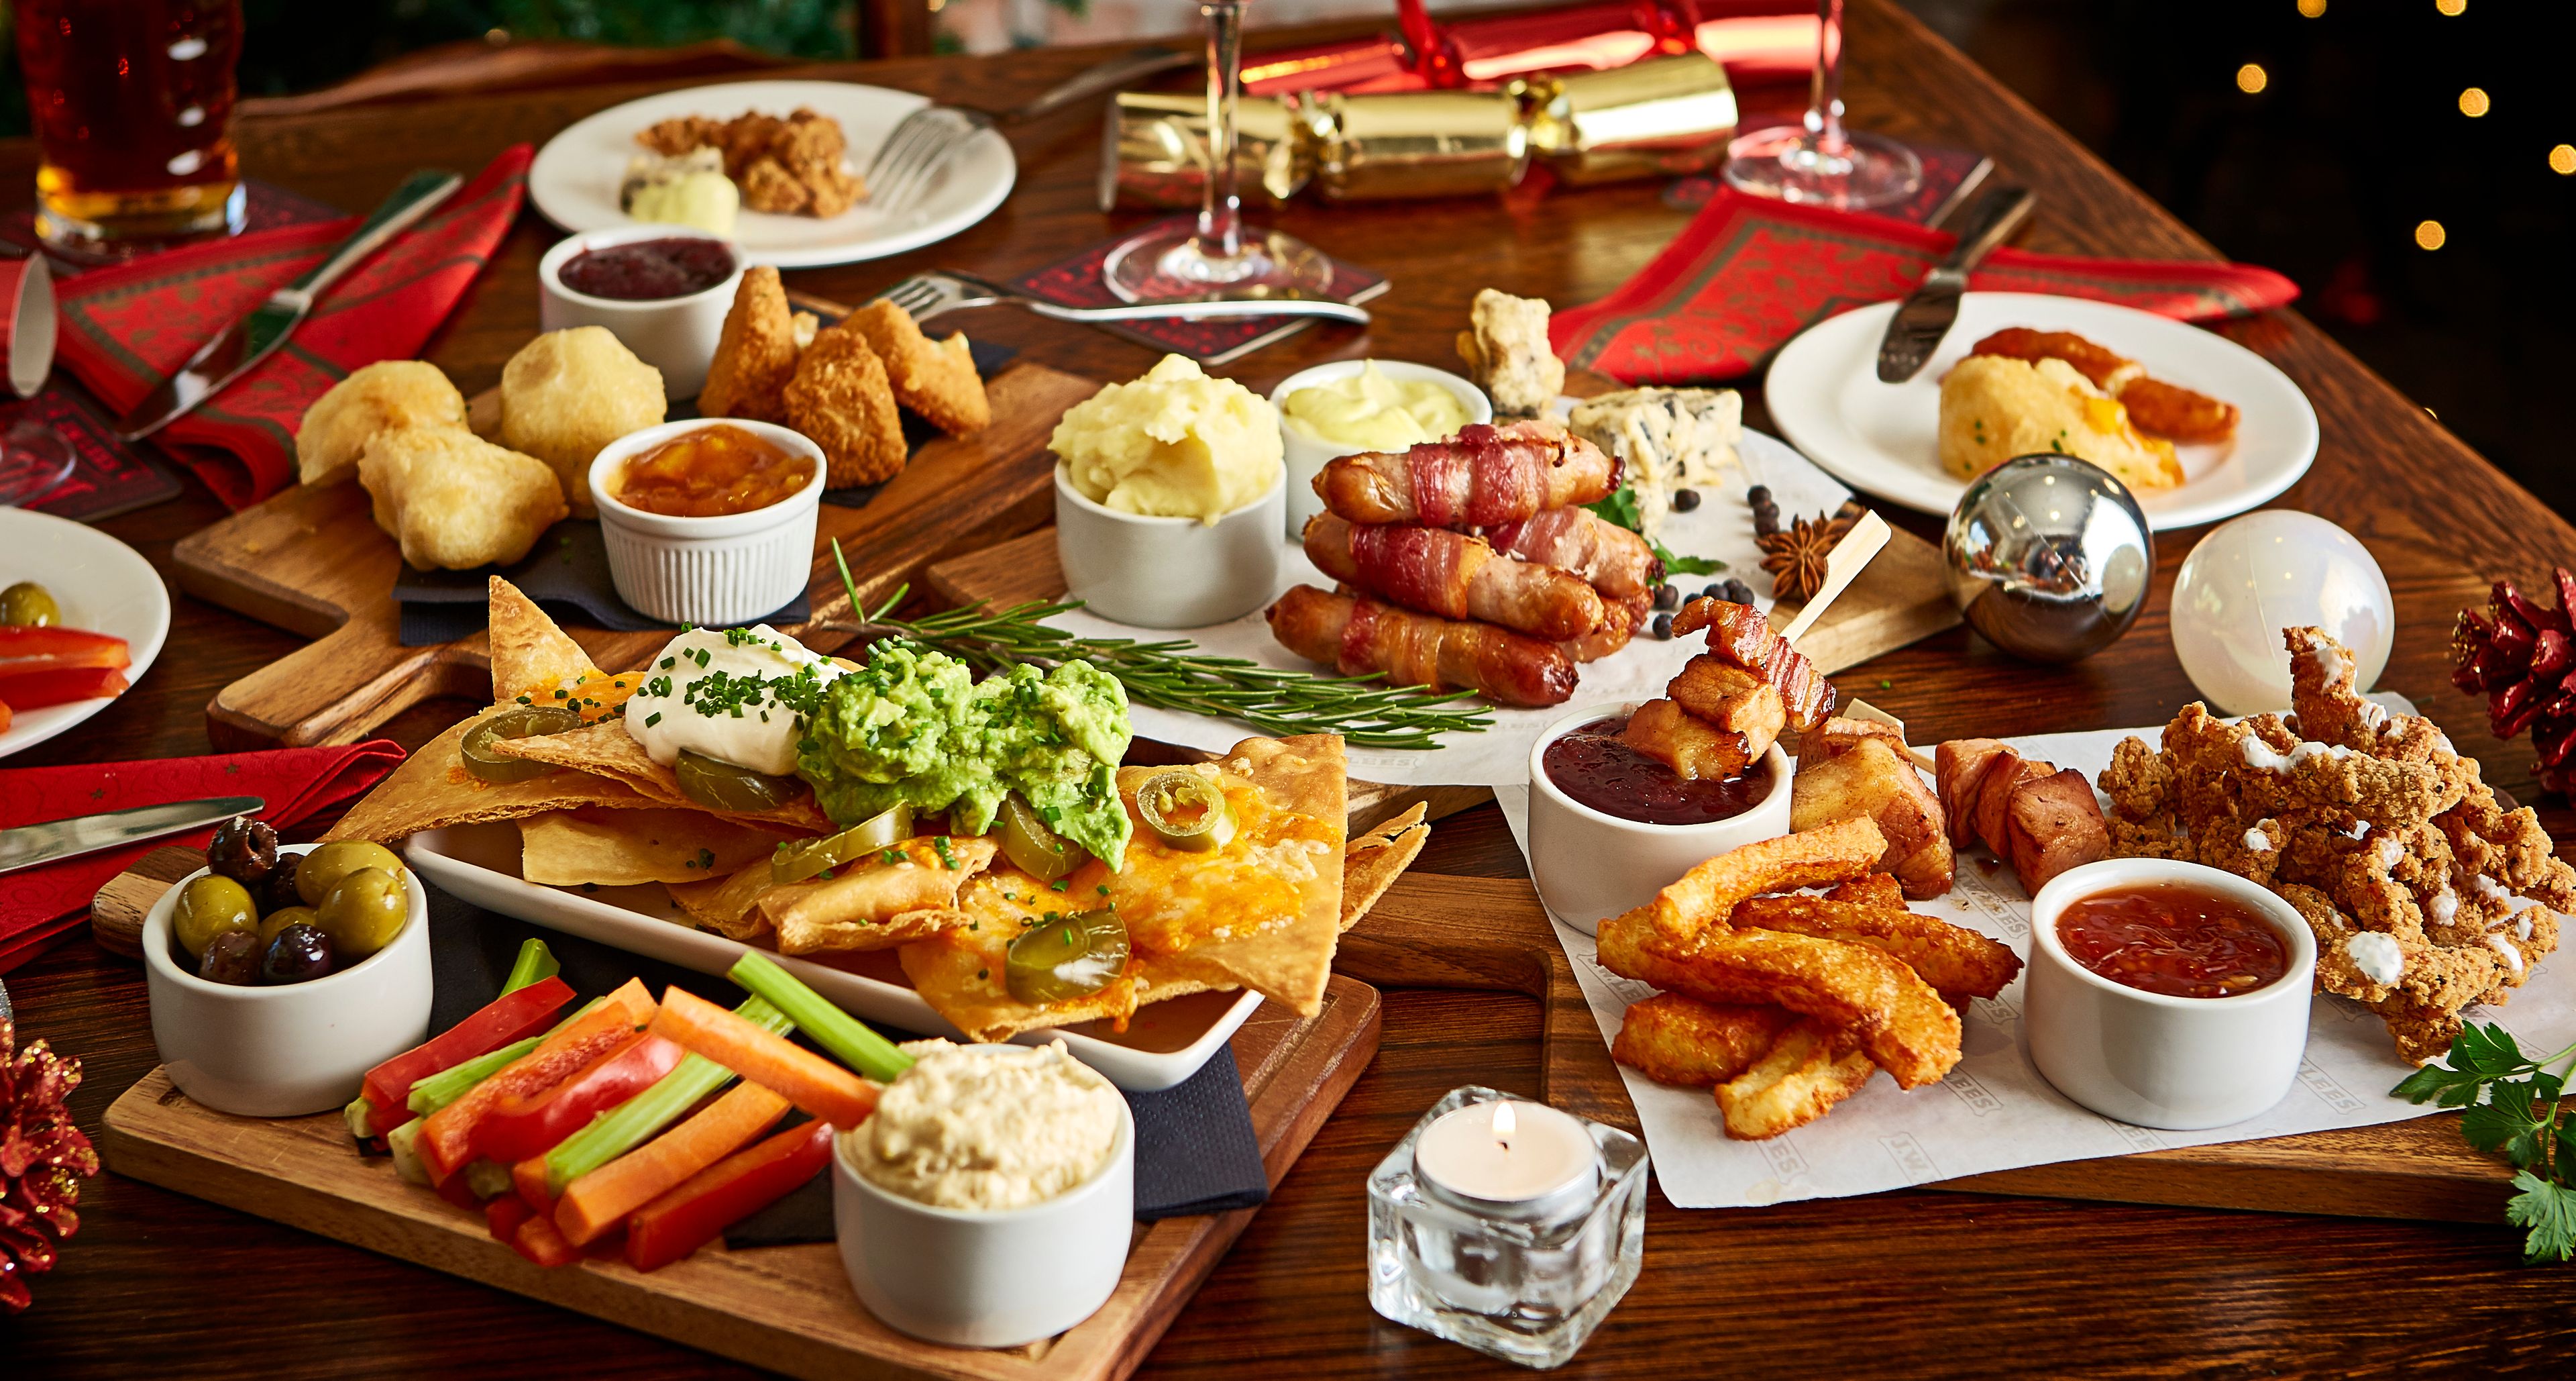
{"points": [[2387, 851], [674, 711], [2374, 715], [2376, 955], [2312, 750], [2256, 840], [2505, 951], [2261, 756], [2446, 905], [2331, 662], [2487, 889]]}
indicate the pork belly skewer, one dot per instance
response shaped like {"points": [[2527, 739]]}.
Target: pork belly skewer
{"points": [[1482, 476], [1358, 636], [1617, 562], [1740, 636], [1435, 571]]}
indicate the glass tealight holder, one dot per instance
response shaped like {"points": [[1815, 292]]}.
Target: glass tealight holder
{"points": [[1526, 1281]]}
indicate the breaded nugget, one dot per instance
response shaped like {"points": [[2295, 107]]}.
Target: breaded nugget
{"points": [[1673, 1039], [755, 353], [681, 133], [787, 167], [1812, 1068], [934, 378], [568, 393], [386, 396], [456, 501], [841, 400], [768, 186]]}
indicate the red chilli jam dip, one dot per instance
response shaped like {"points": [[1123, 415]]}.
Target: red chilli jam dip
{"points": [[648, 270], [2173, 939], [1596, 767]]}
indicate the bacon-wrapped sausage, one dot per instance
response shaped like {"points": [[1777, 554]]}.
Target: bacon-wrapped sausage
{"points": [[1620, 620], [1482, 476], [1436, 571], [1359, 635], [1738, 633], [1614, 560]]}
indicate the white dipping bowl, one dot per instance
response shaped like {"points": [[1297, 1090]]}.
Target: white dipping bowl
{"points": [[987, 1278], [676, 335], [294, 1048], [1168, 572], [1307, 457], [2155, 1060], [713, 572], [1589, 864]]}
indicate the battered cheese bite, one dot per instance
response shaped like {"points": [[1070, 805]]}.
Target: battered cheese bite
{"points": [[936, 379], [455, 501], [569, 393], [389, 395], [755, 353], [841, 399]]}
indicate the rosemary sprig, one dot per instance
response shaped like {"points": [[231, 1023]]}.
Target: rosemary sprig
{"points": [[1175, 675]]}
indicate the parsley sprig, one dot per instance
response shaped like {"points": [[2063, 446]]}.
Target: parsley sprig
{"points": [[1621, 508], [2509, 1104]]}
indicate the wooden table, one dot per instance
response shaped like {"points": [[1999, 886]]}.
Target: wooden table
{"points": [[1909, 1282]]}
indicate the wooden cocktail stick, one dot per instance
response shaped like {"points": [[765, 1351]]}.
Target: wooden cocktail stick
{"points": [[1842, 564], [1862, 709]]}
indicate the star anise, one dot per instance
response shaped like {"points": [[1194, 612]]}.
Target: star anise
{"points": [[1796, 557]]}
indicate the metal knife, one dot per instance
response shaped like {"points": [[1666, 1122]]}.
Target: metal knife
{"points": [[1924, 317], [29, 845], [248, 341]]}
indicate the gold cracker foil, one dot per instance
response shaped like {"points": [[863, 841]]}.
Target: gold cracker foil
{"points": [[1154, 150], [1404, 144], [1658, 118]]}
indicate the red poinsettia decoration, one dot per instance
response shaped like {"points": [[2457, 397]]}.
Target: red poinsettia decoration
{"points": [[2522, 657], [43, 1158]]}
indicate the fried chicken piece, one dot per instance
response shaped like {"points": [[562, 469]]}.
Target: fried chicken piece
{"points": [[1673, 1039], [841, 399], [936, 379], [795, 165], [768, 187], [679, 134], [755, 353]]}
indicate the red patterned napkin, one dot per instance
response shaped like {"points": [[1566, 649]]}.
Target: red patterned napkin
{"points": [[40, 905], [125, 328], [1748, 273]]}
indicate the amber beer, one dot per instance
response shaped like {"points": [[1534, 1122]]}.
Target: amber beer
{"points": [[132, 102]]}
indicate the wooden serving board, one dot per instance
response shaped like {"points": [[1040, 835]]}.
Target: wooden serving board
{"points": [[1433, 931]]}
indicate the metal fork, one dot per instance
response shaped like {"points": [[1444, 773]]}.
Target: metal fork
{"points": [[922, 145], [926, 295]]}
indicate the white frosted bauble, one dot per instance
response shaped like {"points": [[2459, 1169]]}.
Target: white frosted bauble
{"points": [[2264, 572]]}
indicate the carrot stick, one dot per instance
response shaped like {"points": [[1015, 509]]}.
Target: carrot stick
{"points": [[447, 1135], [593, 1206], [529, 1178], [811, 1082]]}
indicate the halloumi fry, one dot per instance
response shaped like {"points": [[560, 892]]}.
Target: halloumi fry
{"points": [[1706, 894], [1673, 1039], [1809, 1070], [907, 893], [1952, 958], [1871, 889]]}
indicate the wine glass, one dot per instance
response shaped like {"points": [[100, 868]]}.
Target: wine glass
{"points": [[1817, 162], [1219, 254], [33, 460]]}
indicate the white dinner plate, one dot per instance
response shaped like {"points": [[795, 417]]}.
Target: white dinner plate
{"points": [[1164, 1042], [575, 177], [101, 584], [1824, 393]]}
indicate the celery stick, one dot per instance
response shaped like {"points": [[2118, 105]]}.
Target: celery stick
{"points": [[448, 1085], [536, 964], [359, 1114], [489, 1179], [640, 1118], [837, 1031], [404, 1142]]}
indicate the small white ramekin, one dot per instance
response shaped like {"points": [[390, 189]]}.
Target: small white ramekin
{"points": [[1589, 864], [1168, 572], [713, 572], [294, 1048], [676, 335], [2155, 1060], [1307, 457], [987, 1278]]}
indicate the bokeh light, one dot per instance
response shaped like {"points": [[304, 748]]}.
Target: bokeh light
{"points": [[2430, 235], [2451, 6], [2251, 78], [2562, 159], [2312, 8], [2473, 102]]}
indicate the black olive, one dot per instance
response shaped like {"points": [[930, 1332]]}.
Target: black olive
{"points": [[1684, 500], [298, 954], [243, 849], [276, 892], [1736, 590], [232, 957], [1663, 626], [1667, 597]]}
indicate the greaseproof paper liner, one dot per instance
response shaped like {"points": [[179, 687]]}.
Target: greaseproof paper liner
{"points": [[1994, 1111]]}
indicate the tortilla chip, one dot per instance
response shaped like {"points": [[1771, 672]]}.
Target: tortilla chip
{"points": [[620, 848], [605, 749], [530, 653], [959, 971], [730, 907], [432, 790], [1373, 862], [875, 904]]}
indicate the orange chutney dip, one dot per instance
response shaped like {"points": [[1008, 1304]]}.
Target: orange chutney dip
{"points": [[712, 472]]}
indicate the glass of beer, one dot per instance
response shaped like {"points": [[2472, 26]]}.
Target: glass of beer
{"points": [[132, 102]]}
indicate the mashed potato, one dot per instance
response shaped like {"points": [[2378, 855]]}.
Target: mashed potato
{"points": [[1994, 408], [1173, 444], [386, 396], [568, 393]]}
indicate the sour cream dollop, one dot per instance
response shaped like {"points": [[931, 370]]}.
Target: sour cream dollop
{"points": [[727, 694]]}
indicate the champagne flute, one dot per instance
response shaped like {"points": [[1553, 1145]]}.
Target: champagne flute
{"points": [[1219, 254], [1818, 162]]}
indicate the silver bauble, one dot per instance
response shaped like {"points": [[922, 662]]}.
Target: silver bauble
{"points": [[2048, 557]]}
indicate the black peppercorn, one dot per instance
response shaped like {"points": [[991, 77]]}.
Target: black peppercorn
{"points": [[1663, 626], [1736, 590], [1684, 500], [1668, 597]]}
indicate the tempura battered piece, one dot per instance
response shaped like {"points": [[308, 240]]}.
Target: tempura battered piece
{"points": [[840, 398], [1952, 958], [456, 501], [1506, 352], [1707, 894], [1812, 1068], [568, 393], [756, 353], [386, 396], [934, 378], [1673, 1039]]}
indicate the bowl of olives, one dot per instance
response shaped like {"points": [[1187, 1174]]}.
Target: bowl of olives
{"points": [[280, 974]]}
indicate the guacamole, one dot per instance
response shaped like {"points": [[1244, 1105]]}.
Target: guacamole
{"points": [[914, 725]]}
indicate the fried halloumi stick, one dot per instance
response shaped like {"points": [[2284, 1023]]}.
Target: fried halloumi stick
{"points": [[1952, 958], [1673, 1039], [1709, 891], [1870, 889], [1805, 1074], [880, 903]]}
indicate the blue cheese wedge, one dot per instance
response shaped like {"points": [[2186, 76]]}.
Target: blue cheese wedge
{"points": [[1507, 353], [1664, 439]]}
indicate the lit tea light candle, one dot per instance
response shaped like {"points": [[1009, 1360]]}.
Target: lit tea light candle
{"points": [[1512, 1159]]}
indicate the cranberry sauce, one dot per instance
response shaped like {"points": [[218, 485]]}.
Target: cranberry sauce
{"points": [[1594, 766], [648, 270]]}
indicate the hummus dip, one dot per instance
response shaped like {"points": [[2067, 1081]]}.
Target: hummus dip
{"points": [[984, 1127]]}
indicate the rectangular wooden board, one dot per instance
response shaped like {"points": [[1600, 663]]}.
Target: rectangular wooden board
{"points": [[790, 1308]]}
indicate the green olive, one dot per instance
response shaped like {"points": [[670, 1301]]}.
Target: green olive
{"points": [[723, 786], [209, 906], [364, 913], [536, 721], [29, 605], [280, 919], [815, 857], [1039, 851], [1068, 957], [323, 868]]}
